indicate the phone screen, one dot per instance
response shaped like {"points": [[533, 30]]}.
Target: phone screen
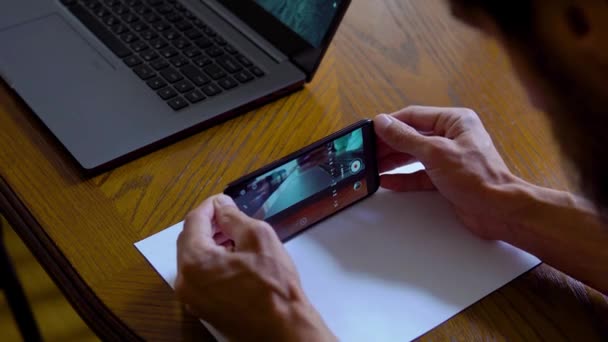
{"points": [[312, 184]]}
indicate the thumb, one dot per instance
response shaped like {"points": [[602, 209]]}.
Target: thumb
{"points": [[400, 136], [246, 232]]}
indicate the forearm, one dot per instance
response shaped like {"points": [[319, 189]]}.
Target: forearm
{"points": [[561, 229], [305, 324]]}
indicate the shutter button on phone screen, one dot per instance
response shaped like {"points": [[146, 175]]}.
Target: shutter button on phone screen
{"points": [[355, 166]]}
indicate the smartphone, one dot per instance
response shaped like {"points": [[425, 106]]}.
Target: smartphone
{"points": [[313, 183]]}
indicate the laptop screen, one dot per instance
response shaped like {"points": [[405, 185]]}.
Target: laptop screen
{"points": [[310, 19], [301, 29]]}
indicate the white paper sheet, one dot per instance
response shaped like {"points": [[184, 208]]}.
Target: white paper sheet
{"points": [[387, 269]]}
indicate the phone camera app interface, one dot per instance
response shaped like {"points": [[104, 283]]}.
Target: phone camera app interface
{"points": [[309, 188]]}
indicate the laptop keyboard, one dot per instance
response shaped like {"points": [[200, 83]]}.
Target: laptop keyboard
{"points": [[176, 54]]}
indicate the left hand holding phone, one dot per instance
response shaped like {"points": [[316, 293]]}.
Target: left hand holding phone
{"points": [[248, 289]]}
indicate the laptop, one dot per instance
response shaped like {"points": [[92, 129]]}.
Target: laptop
{"points": [[113, 79]]}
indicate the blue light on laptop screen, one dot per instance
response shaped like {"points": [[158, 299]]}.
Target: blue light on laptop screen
{"points": [[310, 19]]}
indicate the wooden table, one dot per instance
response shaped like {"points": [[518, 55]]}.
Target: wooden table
{"points": [[386, 55]]}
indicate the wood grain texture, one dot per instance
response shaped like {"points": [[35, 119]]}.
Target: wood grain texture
{"points": [[386, 55]]}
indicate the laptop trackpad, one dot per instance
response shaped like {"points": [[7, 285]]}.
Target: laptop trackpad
{"points": [[63, 79], [38, 54]]}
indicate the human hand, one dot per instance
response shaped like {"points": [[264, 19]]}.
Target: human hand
{"points": [[460, 159], [247, 288]]}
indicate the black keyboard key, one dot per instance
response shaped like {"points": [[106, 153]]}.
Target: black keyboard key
{"points": [[228, 63], [183, 26], [171, 75], [139, 26], [119, 29], [183, 86], [129, 17], [93, 5], [178, 103], [202, 61], [149, 55], [165, 9], [142, 10], [214, 71], [144, 72], [158, 43], [214, 51], [169, 52], [203, 43], [171, 34], [189, 15], [230, 49], [208, 31], [151, 18], [181, 43], [133, 3], [159, 64], [198, 23], [211, 89], [111, 20], [139, 46], [195, 75], [129, 37], [192, 52], [102, 12], [193, 34], [149, 35], [195, 96], [162, 26], [174, 18], [227, 83], [180, 7], [166, 93], [220, 41], [156, 83], [132, 61], [100, 31], [257, 71], [244, 60], [179, 61], [120, 9], [243, 76]]}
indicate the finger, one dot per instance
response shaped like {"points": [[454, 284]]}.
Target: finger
{"points": [[382, 148], [246, 232], [228, 245], [427, 119], [417, 181], [198, 228], [220, 238], [393, 161], [195, 244], [402, 137]]}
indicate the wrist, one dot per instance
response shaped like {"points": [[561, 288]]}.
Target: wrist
{"points": [[301, 322], [526, 207], [514, 201]]}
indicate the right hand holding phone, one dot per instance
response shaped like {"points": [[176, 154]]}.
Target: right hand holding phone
{"points": [[460, 159]]}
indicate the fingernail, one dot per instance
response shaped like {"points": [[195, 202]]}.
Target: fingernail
{"points": [[224, 201], [382, 121]]}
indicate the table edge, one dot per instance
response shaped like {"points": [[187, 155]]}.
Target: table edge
{"points": [[91, 308]]}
